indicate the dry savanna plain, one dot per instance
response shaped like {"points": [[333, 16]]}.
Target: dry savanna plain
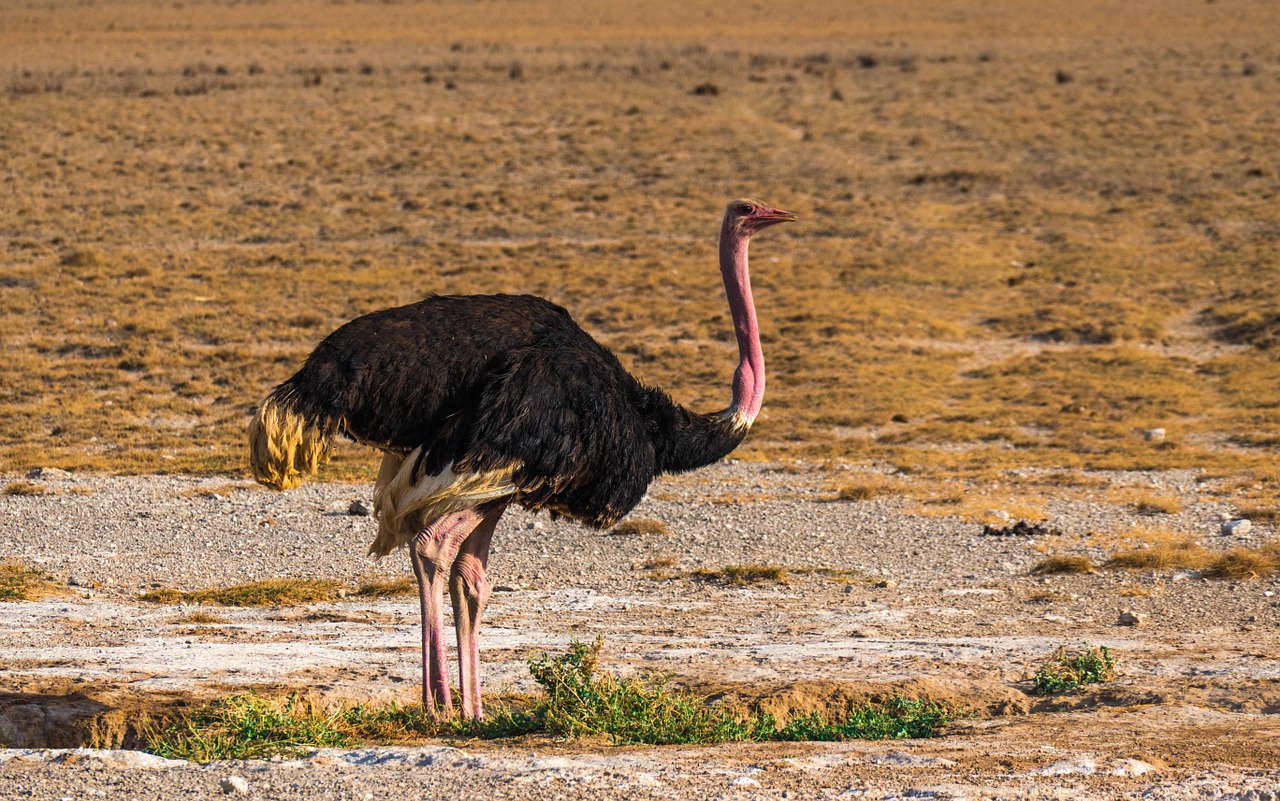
{"points": [[1035, 279]]}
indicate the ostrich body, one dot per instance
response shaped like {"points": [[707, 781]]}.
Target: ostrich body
{"points": [[480, 401]]}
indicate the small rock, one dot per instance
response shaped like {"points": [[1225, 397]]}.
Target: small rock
{"points": [[745, 781], [1186, 575], [359, 509], [1129, 618], [887, 584], [1237, 528], [78, 581], [235, 784], [1153, 435], [48, 472]]}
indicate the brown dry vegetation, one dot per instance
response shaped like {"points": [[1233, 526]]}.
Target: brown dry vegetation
{"points": [[994, 268]]}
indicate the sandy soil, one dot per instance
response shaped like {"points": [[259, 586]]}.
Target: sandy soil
{"points": [[924, 605]]}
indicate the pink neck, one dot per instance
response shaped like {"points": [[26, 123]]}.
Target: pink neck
{"points": [[748, 380]]}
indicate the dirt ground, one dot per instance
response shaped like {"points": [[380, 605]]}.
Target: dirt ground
{"points": [[894, 603], [1030, 234]]}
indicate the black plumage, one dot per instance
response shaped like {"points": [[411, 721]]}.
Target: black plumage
{"points": [[482, 382]]}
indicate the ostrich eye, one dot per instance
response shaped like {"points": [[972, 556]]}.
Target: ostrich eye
{"points": [[745, 209]]}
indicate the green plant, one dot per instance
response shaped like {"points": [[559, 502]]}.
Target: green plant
{"points": [[576, 701], [249, 726], [1062, 672], [897, 719]]}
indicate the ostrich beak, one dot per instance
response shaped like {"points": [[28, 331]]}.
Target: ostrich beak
{"points": [[768, 217]]}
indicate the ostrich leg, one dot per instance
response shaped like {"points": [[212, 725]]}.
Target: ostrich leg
{"points": [[432, 552], [469, 590]]}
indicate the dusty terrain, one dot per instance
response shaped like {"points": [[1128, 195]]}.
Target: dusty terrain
{"points": [[1029, 233], [1192, 714]]}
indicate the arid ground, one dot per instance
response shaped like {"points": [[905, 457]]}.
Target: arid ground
{"points": [[1031, 237]]}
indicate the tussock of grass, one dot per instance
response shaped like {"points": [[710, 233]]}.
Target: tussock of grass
{"points": [[1238, 564], [660, 568], [641, 527], [386, 589], [1062, 564], [20, 583], [1246, 563], [271, 592], [29, 488], [196, 618], [1147, 503], [1259, 514], [744, 575], [1062, 672], [577, 701], [864, 488], [1186, 554]]}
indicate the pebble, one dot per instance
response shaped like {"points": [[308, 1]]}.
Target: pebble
{"points": [[234, 784], [1153, 435], [1237, 528], [1129, 618], [48, 472], [359, 509]]}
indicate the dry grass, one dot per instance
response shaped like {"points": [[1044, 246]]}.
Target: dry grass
{"points": [[1145, 502], [199, 618], [21, 583], [1056, 565], [271, 592], [1186, 554], [193, 211], [1246, 563], [660, 568], [386, 589], [641, 527], [28, 488], [743, 575]]}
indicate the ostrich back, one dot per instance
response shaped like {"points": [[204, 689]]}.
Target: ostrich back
{"points": [[495, 382]]}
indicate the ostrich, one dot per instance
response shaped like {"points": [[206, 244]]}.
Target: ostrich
{"points": [[480, 401]]}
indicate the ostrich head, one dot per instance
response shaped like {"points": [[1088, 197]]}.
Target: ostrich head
{"points": [[746, 216]]}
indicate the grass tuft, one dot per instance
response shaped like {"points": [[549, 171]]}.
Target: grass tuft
{"points": [[19, 583], [271, 592], [250, 726], [896, 719], [1062, 564], [1186, 554], [1246, 563], [1062, 672], [863, 490], [743, 575], [27, 488], [641, 527], [386, 589]]}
